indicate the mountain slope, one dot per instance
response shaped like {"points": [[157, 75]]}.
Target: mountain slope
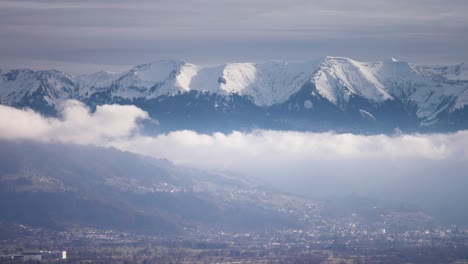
{"points": [[61, 186]]}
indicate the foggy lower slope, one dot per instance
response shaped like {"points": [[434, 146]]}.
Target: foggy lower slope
{"points": [[59, 186]]}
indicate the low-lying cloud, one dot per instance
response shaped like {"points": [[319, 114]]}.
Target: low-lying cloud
{"points": [[118, 126], [265, 146], [76, 124]]}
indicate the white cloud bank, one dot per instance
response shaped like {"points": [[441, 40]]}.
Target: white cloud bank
{"points": [[118, 126], [76, 125]]}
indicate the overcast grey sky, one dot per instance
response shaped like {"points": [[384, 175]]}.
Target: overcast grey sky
{"points": [[85, 35]]}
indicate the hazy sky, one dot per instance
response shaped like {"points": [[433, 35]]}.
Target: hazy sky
{"points": [[83, 36]]}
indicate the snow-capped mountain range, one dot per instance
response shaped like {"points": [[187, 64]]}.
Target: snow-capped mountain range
{"points": [[305, 95]]}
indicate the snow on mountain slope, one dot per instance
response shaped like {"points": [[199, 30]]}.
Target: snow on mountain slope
{"points": [[450, 73], [430, 95], [208, 79], [462, 100], [273, 82], [428, 90], [52, 85], [17, 83], [155, 79], [266, 83], [237, 78], [340, 78], [96, 81]]}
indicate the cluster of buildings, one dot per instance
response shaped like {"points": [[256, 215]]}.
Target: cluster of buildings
{"points": [[39, 255]]}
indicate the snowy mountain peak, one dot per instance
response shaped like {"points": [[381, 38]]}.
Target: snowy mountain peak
{"points": [[267, 83], [155, 79], [338, 79], [51, 85], [428, 89]]}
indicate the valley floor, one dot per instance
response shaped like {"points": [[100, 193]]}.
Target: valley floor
{"points": [[288, 246]]}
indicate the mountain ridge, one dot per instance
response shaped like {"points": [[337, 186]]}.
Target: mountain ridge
{"points": [[432, 96]]}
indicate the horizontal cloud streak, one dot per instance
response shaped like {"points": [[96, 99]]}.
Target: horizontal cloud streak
{"points": [[123, 33], [279, 148]]}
